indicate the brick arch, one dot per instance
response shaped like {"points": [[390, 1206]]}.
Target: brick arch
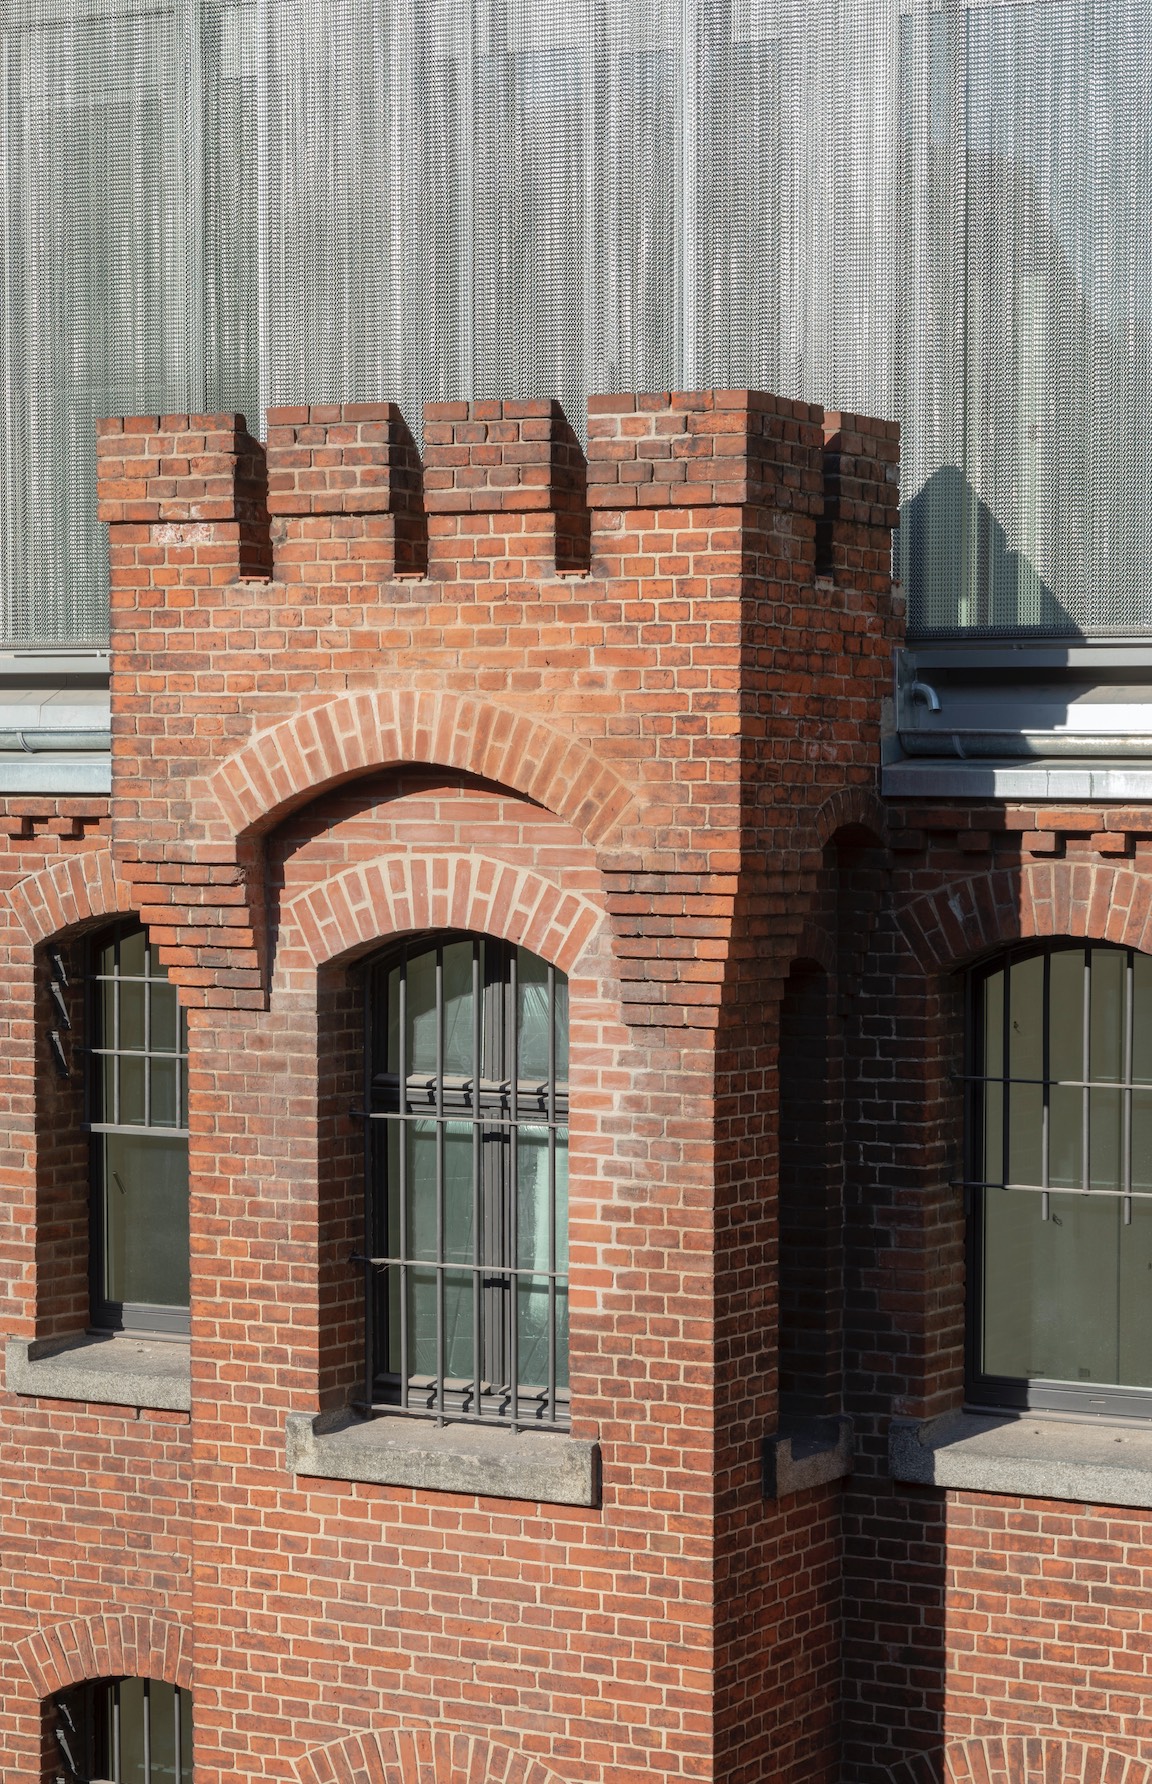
{"points": [[70, 892], [399, 893], [1022, 1759], [419, 1756], [850, 808], [991, 910], [130, 1643], [356, 734]]}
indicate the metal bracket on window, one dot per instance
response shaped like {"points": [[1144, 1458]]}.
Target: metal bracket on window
{"points": [[57, 985]]}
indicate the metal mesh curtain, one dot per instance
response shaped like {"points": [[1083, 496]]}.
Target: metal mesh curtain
{"points": [[932, 210], [128, 204]]}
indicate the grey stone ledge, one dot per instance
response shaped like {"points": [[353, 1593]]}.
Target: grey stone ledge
{"points": [[113, 1370], [1093, 1461], [806, 1453], [409, 1452]]}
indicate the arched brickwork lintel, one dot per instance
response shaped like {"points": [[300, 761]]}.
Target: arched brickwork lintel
{"points": [[851, 808], [359, 734], [814, 946], [424, 1755], [70, 893], [405, 893], [984, 912], [128, 1643], [1021, 1759]]}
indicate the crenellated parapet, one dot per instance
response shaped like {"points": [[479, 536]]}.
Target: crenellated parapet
{"points": [[699, 600]]}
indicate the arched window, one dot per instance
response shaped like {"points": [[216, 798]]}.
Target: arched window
{"points": [[1059, 1177], [124, 1731], [138, 1117], [467, 1244]]}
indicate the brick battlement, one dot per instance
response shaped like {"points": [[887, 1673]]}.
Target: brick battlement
{"points": [[504, 461]]}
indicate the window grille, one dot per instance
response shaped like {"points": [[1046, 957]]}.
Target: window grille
{"points": [[467, 1218], [934, 212], [138, 1118], [1059, 1176], [124, 1731]]}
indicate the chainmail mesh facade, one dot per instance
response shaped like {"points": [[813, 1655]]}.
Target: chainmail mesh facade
{"points": [[931, 211]]}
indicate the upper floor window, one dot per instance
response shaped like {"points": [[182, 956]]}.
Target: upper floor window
{"points": [[124, 1731], [468, 1160], [138, 1116], [1060, 1179]]}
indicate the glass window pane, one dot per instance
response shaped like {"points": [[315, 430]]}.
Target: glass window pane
{"points": [[133, 951], [1105, 1138], [532, 1223], [131, 993], [458, 1010], [165, 1110], [533, 1016], [106, 1021], [1142, 1018], [1066, 1137], [422, 1014], [561, 1198], [145, 1192], [392, 1043], [162, 1706], [1142, 1139], [459, 1197], [532, 1356], [994, 1133], [1050, 1287], [1066, 1014], [132, 1106], [993, 1062], [421, 1138], [132, 1732], [458, 1326], [1136, 1297], [165, 1032], [1025, 1133], [1026, 1018], [1106, 1048]]}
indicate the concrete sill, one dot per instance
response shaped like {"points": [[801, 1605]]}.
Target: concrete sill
{"points": [[407, 1452], [1093, 1462], [103, 1370], [805, 1454]]}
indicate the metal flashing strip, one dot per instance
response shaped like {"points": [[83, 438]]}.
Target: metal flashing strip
{"points": [[55, 773], [934, 778]]}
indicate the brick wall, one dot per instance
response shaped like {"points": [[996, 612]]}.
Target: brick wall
{"points": [[623, 710]]}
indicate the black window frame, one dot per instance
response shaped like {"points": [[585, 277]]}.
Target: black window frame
{"points": [[107, 1315], [1009, 1394], [88, 1731], [497, 1107]]}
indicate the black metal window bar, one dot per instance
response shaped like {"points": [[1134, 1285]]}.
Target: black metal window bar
{"points": [[466, 1114], [138, 1118], [124, 1731], [1058, 1178]]}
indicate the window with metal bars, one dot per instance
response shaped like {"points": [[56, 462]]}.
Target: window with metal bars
{"points": [[138, 1116], [1059, 1179], [466, 1113], [124, 1731]]}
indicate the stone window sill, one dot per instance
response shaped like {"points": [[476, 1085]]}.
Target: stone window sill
{"points": [[806, 1453], [1029, 1457], [408, 1452], [103, 1370]]}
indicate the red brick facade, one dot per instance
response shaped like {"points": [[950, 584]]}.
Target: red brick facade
{"points": [[623, 710]]}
